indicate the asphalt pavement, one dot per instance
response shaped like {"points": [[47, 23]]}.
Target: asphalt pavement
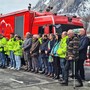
{"points": [[21, 80]]}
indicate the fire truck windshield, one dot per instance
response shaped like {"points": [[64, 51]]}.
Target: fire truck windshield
{"points": [[65, 27]]}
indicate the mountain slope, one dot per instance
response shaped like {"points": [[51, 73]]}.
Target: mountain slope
{"points": [[77, 7]]}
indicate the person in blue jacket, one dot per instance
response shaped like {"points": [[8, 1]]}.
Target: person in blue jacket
{"points": [[44, 57], [50, 59], [56, 61]]}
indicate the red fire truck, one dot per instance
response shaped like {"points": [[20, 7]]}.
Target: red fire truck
{"points": [[23, 21]]}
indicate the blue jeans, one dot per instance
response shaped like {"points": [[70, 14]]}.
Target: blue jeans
{"points": [[62, 64], [12, 59], [2, 57], [45, 64], [50, 67], [40, 61], [18, 62]]}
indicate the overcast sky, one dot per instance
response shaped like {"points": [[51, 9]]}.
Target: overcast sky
{"points": [[7, 6]]}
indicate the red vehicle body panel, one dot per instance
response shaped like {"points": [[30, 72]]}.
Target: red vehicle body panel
{"points": [[7, 22], [6, 25], [64, 20], [43, 20], [32, 21]]}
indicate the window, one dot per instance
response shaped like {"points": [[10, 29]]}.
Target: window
{"points": [[19, 25]]}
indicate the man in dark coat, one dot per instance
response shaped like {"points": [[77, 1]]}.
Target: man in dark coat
{"points": [[84, 42], [42, 49], [26, 50], [34, 53]]}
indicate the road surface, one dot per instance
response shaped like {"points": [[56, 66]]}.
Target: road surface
{"points": [[21, 80]]}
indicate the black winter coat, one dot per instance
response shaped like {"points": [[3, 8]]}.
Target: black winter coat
{"points": [[84, 42]]}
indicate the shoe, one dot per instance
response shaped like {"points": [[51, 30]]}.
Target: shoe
{"points": [[42, 72], [40, 69], [71, 76], [17, 69], [48, 74], [36, 71], [60, 79], [64, 83], [80, 85], [3, 67], [45, 73], [28, 70], [83, 79], [32, 70], [0, 66], [9, 67], [56, 77], [51, 75], [12, 68]]}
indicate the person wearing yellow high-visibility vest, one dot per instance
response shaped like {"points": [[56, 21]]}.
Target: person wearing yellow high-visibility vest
{"points": [[18, 52], [11, 44], [3, 42], [7, 53]]}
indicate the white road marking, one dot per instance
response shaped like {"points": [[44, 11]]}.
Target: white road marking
{"points": [[21, 82]]}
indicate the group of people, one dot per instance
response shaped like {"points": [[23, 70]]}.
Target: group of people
{"points": [[10, 51], [52, 55]]}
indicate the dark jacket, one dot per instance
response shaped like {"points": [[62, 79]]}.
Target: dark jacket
{"points": [[43, 46], [72, 48], [50, 45], [35, 48], [84, 42], [27, 44]]}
